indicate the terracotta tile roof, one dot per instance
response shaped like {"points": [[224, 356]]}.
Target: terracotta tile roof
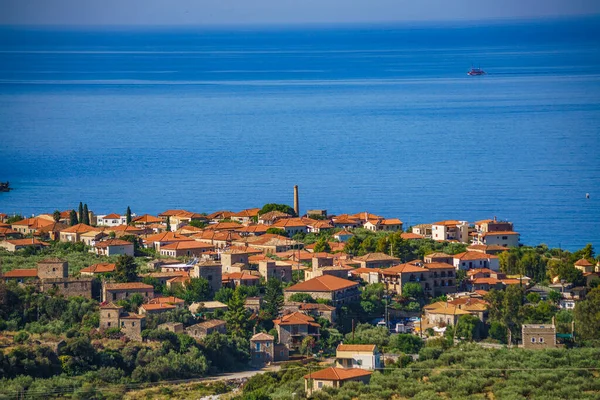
{"points": [[410, 236], [21, 273], [170, 213], [126, 228], [223, 214], [337, 374], [358, 271], [79, 228], [188, 229], [272, 215], [34, 223], [296, 318], [110, 305], [476, 271], [165, 237], [290, 223], [131, 316], [128, 286], [166, 300], [53, 227], [391, 221], [473, 255], [247, 213], [489, 281], [111, 216], [403, 269], [365, 216], [444, 308], [7, 231], [147, 219], [180, 279], [260, 228], [499, 233], [343, 233], [439, 255], [187, 245], [438, 265], [481, 292], [356, 347], [324, 283], [99, 268], [583, 263], [211, 323], [262, 337], [157, 306], [484, 221], [224, 226], [451, 222], [112, 242], [25, 242], [483, 247], [239, 275], [376, 257]]}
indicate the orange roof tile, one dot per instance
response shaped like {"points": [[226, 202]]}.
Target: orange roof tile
{"points": [[186, 245], [99, 268], [79, 228], [410, 236], [403, 269], [450, 222], [438, 265], [112, 242], [324, 283], [33, 223], [337, 374], [499, 233], [157, 306], [166, 300], [356, 347], [25, 242], [147, 219], [295, 318], [248, 213], [583, 263], [262, 336], [21, 273], [111, 216]]}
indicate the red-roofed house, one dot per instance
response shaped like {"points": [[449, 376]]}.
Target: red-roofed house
{"points": [[98, 269], [451, 230], [186, 249], [339, 291], [113, 247], [18, 244], [334, 377], [111, 220], [475, 259], [20, 275], [293, 328], [121, 291], [73, 233]]}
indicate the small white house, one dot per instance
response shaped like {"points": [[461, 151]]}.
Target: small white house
{"points": [[111, 220], [363, 356]]}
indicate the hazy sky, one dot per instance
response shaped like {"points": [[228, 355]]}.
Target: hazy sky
{"points": [[211, 12]]}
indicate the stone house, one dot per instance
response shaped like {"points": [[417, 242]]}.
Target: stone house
{"points": [[113, 316], [439, 257], [264, 350], [122, 291], [334, 377], [211, 271], [315, 310], [584, 265], [29, 226], [363, 356], [203, 329], [539, 336], [175, 327], [54, 275], [293, 328], [337, 290], [270, 269], [451, 230], [236, 279], [232, 258]]}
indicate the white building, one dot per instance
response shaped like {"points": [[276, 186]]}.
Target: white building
{"points": [[451, 230], [363, 356], [111, 220]]}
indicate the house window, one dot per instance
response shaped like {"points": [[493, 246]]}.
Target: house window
{"points": [[108, 323], [532, 340], [504, 237], [257, 346], [319, 385], [114, 296], [122, 324], [133, 324], [541, 340]]}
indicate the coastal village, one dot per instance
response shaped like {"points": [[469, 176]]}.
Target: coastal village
{"points": [[321, 283]]}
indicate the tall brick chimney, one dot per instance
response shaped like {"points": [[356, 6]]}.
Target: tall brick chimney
{"points": [[296, 201]]}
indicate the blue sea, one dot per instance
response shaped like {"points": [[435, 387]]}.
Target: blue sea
{"points": [[380, 118]]}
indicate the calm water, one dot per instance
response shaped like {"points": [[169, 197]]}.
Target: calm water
{"points": [[382, 119]]}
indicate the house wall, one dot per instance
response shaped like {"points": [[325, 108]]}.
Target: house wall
{"points": [[118, 250], [71, 287], [362, 360], [262, 351], [120, 294], [132, 328], [109, 318], [501, 240], [52, 270], [212, 273], [539, 338]]}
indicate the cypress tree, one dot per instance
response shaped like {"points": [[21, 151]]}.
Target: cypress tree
{"points": [[80, 213], [86, 215], [168, 224], [56, 216], [128, 215], [73, 218]]}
